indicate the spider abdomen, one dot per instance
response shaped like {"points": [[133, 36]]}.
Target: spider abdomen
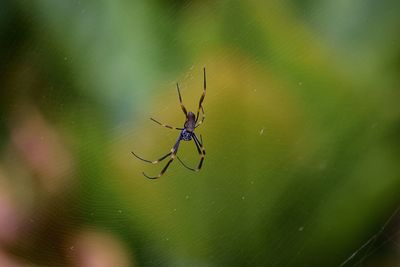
{"points": [[186, 135]]}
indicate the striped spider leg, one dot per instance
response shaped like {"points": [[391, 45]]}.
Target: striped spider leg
{"points": [[186, 134]]}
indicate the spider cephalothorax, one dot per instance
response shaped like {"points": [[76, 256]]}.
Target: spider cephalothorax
{"points": [[186, 134], [190, 123]]}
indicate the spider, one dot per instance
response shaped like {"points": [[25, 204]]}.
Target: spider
{"points": [[186, 134]]}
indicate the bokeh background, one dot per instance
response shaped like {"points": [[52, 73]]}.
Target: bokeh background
{"points": [[302, 133]]}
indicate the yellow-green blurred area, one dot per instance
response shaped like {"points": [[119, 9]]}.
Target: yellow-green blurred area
{"points": [[302, 133]]}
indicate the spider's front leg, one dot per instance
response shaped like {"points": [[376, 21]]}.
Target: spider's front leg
{"points": [[202, 117], [180, 100], [202, 97]]}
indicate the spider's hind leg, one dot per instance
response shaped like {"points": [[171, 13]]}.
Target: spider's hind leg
{"points": [[202, 154], [173, 152], [150, 161]]}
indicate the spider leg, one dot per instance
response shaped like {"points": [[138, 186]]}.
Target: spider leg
{"points": [[202, 118], [154, 161], [165, 125], [202, 153], [203, 95], [180, 100], [173, 152], [184, 165]]}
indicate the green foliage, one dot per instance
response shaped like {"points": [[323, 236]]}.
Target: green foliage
{"points": [[301, 130]]}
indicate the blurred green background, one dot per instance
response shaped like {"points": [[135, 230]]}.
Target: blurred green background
{"points": [[302, 133]]}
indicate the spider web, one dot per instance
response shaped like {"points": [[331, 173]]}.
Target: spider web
{"points": [[301, 132], [369, 248]]}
